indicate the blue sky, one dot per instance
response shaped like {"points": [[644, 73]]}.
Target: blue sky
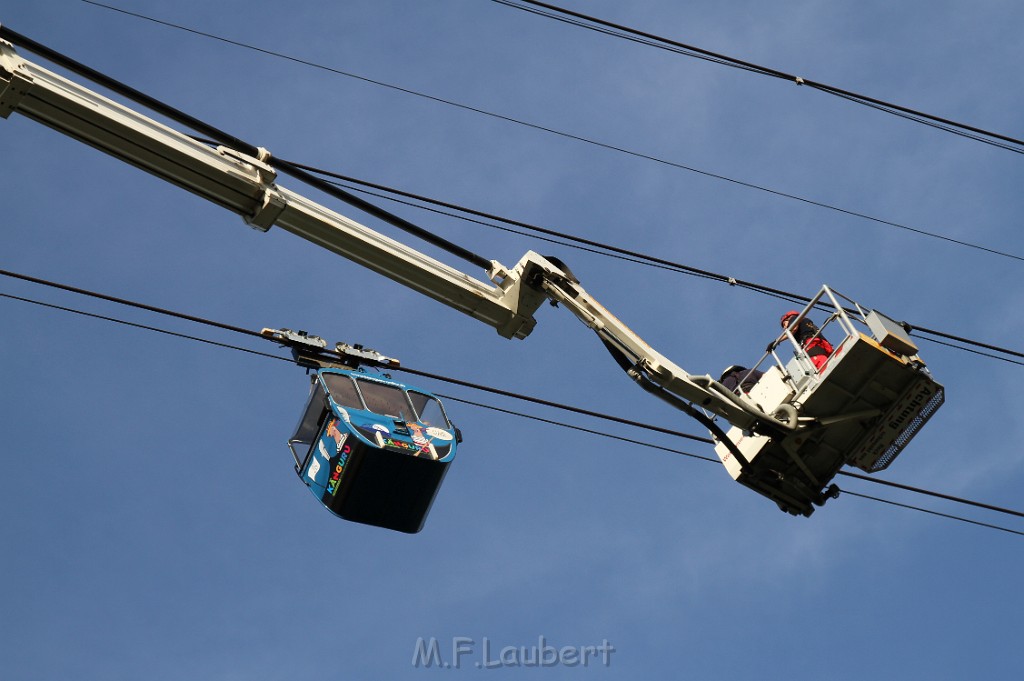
{"points": [[153, 525]]}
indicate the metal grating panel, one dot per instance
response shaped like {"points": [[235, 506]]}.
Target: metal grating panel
{"points": [[911, 430]]}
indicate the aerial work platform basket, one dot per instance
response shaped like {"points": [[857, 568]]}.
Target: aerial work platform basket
{"points": [[859, 407]]}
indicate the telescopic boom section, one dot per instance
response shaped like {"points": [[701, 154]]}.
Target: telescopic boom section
{"points": [[653, 371], [246, 184]]}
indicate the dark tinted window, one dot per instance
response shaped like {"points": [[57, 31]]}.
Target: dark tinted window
{"points": [[386, 399], [343, 390], [429, 410], [309, 425]]}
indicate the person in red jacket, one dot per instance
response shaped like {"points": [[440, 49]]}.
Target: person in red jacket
{"points": [[808, 335]]}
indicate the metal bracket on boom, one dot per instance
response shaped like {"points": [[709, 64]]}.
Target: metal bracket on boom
{"points": [[270, 206], [14, 82]]}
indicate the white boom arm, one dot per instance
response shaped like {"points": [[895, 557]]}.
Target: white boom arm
{"points": [[246, 185]]}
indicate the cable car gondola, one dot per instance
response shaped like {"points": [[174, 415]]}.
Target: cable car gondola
{"points": [[373, 450]]}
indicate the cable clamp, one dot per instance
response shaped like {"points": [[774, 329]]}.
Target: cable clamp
{"points": [[259, 164], [732, 281], [798, 80]]}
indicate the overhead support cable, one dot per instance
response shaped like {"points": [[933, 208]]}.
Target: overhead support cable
{"points": [[128, 303], [146, 327], [557, 405], [937, 495], [256, 334], [556, 423], [554, 233], [935, 513], [226, 139], [1006, 354], [562, 424], [641, 443], [578, 138], [618, 30], [471, 385]]}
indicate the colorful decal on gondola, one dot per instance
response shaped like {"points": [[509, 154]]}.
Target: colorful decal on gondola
{"points": [[338, 470], [399, 444], [417, 434], [335, 434], [332, 446]]}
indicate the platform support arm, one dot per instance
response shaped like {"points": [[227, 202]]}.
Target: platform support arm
{"points": [[635, 355]]}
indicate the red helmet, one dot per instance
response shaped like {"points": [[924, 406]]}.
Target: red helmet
{"points": [[788, 317]]}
